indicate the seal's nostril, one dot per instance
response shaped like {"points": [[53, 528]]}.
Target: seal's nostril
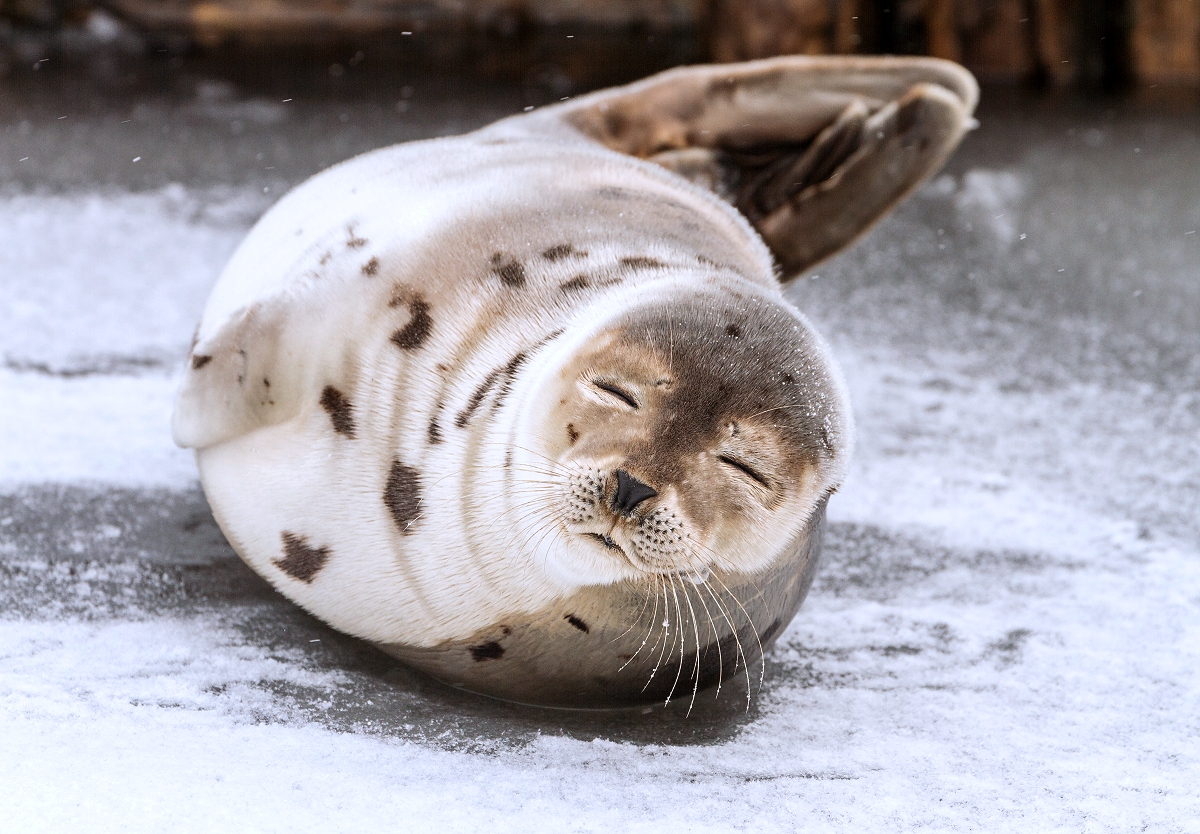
{"points": [[630, 492]]}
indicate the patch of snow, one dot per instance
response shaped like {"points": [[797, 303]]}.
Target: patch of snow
{"points": [[992, 199], [114, 430], [115, 274]]}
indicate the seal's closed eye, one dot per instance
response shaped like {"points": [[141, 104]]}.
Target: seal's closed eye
{"points": [[620, 393], [745, 469]]}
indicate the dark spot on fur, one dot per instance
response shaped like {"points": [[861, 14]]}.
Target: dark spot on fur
{"points": [[579, 282], [476, 399], [612, 192], [572, 434], [509, 270], [402, 495], [434, 433], [826, 440], [733, 331], [200, 361], [414, 334], [641, 262], [371, 267], [487, 651], [562, 250], [266, 382], [355, 242], [341, 413], [504, 375], [300, 560], [787, 378], [325, 258], [578, 623], [509, 372]]}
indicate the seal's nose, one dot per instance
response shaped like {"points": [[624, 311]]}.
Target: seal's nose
{"points": [[630, 492]]}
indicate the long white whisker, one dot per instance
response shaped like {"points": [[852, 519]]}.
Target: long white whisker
{"points": [[682, 644], [753, 628], [696, 668], [649, 631], [712, 632]]}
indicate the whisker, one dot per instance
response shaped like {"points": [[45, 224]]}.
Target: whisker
{"points": [[734, 631], [679, 669], [761, 652], [716, 638], [696, 667], [649, 630], [636, 619], [665, 628]]}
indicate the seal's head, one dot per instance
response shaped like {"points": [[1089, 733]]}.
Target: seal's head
{"points": [[693, 432]]}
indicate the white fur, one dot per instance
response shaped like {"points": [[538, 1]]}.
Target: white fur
{"points": [[295, 293]]}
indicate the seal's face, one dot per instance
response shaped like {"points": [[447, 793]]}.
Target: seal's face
{"points": [[693, 436]]}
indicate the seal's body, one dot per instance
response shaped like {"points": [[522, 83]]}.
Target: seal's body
{"points": [[527, 408]]}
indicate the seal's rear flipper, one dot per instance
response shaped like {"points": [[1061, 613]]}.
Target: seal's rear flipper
{"points": [[260, 368], [813, 151]]}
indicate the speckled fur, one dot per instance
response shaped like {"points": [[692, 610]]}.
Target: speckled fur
{"points": [[411, 364]]}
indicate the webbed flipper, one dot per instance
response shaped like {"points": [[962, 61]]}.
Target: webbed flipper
{"points": [[813, 151]]}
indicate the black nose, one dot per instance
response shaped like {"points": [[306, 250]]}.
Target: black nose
{"points": [[630, 492]]}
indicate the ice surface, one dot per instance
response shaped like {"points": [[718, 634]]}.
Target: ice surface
{"points": [[1005, 636], [93, 281], [102, 293]]}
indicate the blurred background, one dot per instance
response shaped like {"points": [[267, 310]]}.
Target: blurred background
{"points": [[1094, 43]]}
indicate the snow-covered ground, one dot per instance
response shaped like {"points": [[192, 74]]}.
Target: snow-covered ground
{"points": [[1005, 635]]}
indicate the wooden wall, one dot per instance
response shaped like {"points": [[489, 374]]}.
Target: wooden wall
{"points": [[1053, 42], [1056, 42]]}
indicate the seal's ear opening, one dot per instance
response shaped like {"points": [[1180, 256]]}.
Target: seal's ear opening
{"points": [[813, 151]]}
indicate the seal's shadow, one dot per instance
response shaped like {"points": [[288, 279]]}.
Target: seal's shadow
{"points": [[380, 695], [160, 553]]}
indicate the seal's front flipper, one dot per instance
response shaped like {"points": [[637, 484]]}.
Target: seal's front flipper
{"points": [[813, 151], [854, 172], [241, 378]]}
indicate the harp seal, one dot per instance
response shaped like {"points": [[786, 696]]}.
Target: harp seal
{"points": [[527, 407]]}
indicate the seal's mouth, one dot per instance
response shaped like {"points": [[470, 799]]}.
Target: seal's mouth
{"points": [[607, 541]]}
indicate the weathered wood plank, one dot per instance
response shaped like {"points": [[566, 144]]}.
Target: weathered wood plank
{"points": [[1164, 41]]}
